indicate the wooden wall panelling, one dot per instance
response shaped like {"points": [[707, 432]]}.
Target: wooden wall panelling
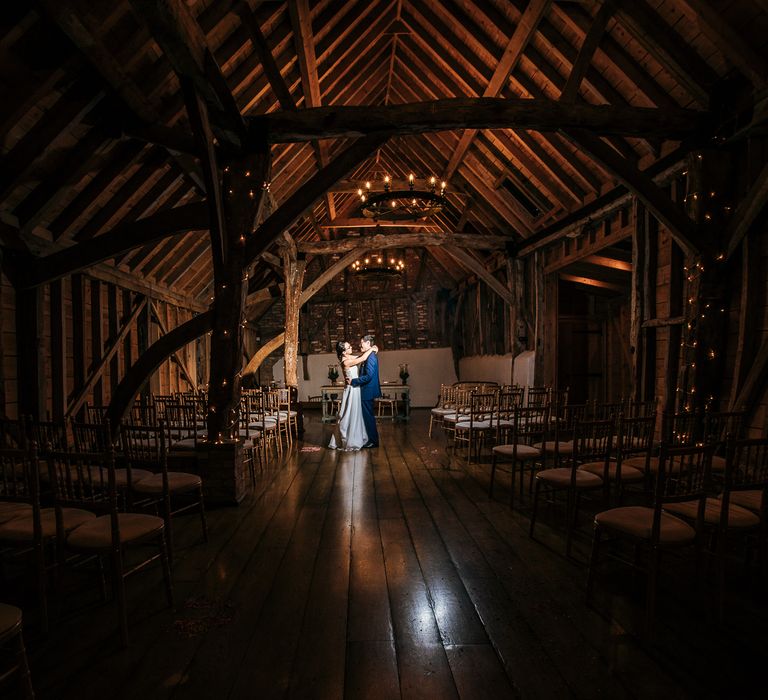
{"points": [[78, 333], [100, 365], [96, 339], [648, 372], [58, 332], [129, 339], [3, 407], [30, 357]]}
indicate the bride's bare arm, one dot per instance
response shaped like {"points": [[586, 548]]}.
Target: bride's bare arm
{"points": [[350, 360]]}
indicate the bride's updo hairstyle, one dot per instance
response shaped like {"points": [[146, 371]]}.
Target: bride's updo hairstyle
{"points": [[341, 346]]}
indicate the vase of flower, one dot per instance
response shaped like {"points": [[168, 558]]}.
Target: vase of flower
{"points": [[333, 373], [404, 373]]}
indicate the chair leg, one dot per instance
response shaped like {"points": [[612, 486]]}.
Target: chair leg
{"points": [[593, 563], [650, 599], [118, 585], [25, 678], [535, 507], [165, 563], [493, 474], [512, 483], [41, 587], [202, 514], [168, 527], [570, 509]]}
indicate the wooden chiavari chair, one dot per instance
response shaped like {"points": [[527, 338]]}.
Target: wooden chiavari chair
{"points": [[27, 526], [517, 429], [473, 428], [144, 447], [633, 450], [718, 427], [87, 480], [592, 443], [287, 412], [462, 402], [95, 414], [11, 634], [746, 470], [683, 475], [446, 403], [47, 434]]}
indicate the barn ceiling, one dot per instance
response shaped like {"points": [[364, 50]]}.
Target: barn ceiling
{"points": [[96, 135]]}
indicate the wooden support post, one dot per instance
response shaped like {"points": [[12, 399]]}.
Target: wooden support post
{"points": [[29, 359], [242, 180], [294, 266], [58, 352], [539, 311], [709, 183]]}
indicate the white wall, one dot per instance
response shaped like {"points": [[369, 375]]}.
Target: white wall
{"points": [[486, 368], [428, 369]]}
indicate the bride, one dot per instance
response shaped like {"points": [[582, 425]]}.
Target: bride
{"points": [[349, 433]]}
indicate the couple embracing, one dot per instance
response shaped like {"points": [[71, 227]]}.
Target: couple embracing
{"points": [[356, 425]]}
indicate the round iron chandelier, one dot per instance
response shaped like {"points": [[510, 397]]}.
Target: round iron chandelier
{"points": [[410, 204], [378, 265]]}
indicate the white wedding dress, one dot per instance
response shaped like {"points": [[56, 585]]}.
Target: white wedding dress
{"points": [[349, 433]]}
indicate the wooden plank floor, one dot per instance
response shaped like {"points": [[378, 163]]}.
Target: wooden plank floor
{"points": [[389, 573]]}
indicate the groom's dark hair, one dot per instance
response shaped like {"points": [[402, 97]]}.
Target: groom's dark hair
{"points": [[368, 338]]}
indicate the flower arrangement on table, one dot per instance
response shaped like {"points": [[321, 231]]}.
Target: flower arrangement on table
{"points": [[404, 372], [333, 373]]}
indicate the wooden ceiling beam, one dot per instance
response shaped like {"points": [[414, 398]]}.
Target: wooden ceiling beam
{"points": [[747, 211], [301, 22], [586, 53], [309, 192], [124, 237], [404, 240], [471, 263], [734, 45], [523, 33], [178, 34], [263, 51], [666, 46], [680, 226], [481, 113], [590, 282]]}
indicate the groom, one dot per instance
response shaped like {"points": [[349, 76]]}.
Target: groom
{"points": [[368, 381]]}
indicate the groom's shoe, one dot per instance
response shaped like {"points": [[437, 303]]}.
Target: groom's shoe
{"points": [[371, 444]]}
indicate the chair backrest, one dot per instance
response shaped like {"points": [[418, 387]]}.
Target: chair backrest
{"points": [[48, 434], [20, 476], [80, 479], [634, 435], [530, 424], [719, 426], [537, 396], [90, 437], [142, 413], [144, 448], [592, 441], [557, 397], [12, 434], [482, 407], [95, 414], [747, 466], [685, 472], [180, 420], [640, 409], [604, 411], [684, 475], [682, 429]]}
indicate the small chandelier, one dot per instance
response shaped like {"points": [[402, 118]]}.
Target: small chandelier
{"points": [[402, 205], [378, 265]]}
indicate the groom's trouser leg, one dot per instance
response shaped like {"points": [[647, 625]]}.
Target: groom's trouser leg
{"points": [[370, 421]]}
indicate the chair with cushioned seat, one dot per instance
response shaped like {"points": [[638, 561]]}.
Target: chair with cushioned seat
{"points": [[517, 428], [592, 444], [24, 527], [87, 480], [11, 633], [144, 448], [446, 403], [653, 526], [477, 424]]}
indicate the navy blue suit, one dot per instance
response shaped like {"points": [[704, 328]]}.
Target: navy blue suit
{"points": [[368, 381]]}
